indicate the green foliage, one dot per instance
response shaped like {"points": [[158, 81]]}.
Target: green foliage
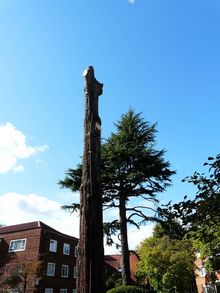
{"points": [[131, 168], [127, 289], [167, 264], [19, 276], [13, 279], [205, 207], [131, 164], [207, 242], [200, 216], [169, 227], [72, 179], [112, 280], [205, 229]]}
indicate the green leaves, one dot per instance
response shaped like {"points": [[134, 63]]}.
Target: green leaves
{"points": [[167, 263], [199, 216], [130, 162], [72, 179], [131, 168]]}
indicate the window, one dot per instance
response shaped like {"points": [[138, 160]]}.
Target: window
{"points": [[202, 271], [53, 245], [63, 290], [17, 245], [76, 251], [50, 269], [75, 272], [74, 291], [7, 268], [48, 290], [66, 248], [64, 271]]}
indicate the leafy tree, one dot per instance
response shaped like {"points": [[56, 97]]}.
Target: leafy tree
{"points": [[167, 264], [200, 216], [20, 276], [131, 168], [205, 207], [169, 227], [203, 213], [127, 289], [112, 280]]}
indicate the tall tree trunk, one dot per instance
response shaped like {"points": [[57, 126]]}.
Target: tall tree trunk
{"points": [[125, 254], [91, 252]]}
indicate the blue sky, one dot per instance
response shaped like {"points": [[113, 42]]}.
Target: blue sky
{"points": [[159, 57]]}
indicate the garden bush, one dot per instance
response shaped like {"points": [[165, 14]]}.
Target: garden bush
{"points": [[127, 289]]}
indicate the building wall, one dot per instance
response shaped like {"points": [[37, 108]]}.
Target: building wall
{"points": [[113, 264], [58, 258], [38, 254], [134, 260], [202, 276], [9, 260]]}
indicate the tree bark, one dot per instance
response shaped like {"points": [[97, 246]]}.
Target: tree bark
{"points": [[125, 254], [90, 252]]}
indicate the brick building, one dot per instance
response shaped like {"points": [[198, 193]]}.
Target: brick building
{"points": [[203, 278], [113, 265], [43, 259]]}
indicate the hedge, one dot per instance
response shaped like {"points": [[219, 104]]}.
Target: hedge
{"points": [[127, 289]]}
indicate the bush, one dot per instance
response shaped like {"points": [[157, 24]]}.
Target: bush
{"points": [[112, 280], [127, 289]]}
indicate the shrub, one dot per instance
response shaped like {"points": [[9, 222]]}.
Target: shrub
{"points": [[127, 289]]}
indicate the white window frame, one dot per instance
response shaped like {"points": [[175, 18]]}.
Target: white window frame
{"points": [[202, 271], [53, 245], [48, 290], [65, 271], [63, 290], [75, 272], [76, 251], [14, 243], [51, 269], [66, 248], [7, 268]]}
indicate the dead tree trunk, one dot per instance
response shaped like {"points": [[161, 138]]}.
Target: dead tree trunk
{"points": [[91, 253]]}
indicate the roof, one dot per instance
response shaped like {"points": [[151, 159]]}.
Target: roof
{"points": [[30, 226], [19, 227], [114, 262]]}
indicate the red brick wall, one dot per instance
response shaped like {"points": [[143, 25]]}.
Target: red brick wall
{"points": [[202, 280], [133, 266], [37, 249], [56, 282], [30, 254]]}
